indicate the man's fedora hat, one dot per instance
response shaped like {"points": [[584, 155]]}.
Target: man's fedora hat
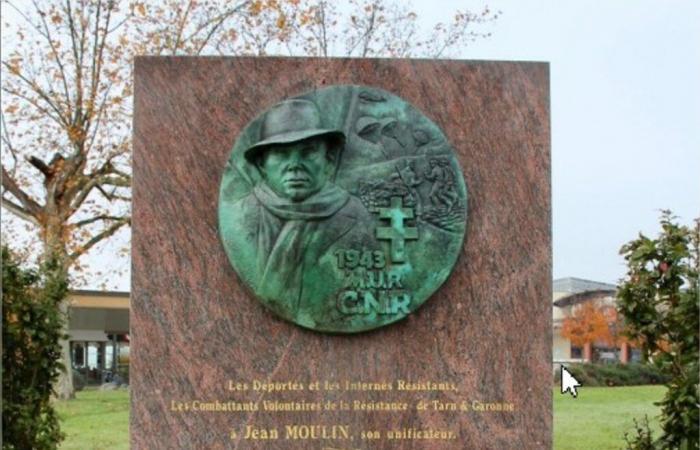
{"points": [[291, 121]]}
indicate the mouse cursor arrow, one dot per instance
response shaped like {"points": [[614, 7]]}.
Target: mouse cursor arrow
{"points": [[568, 382]]}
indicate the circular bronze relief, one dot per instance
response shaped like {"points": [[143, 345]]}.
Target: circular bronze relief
{"points": [[342, 209]]}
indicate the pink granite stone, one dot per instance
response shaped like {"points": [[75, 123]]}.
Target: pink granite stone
{"points": [[194, 326]]}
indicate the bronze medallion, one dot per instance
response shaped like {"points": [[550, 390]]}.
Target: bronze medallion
{"points": [[342, 209]]}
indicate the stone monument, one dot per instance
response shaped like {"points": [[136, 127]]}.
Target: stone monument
{"points": [[341, 254], [343, 228]]}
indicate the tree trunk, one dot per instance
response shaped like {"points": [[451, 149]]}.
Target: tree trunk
{"points": [[54, 248], [64, 385]]}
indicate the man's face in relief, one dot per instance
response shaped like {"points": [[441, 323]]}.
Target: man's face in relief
{"points": [[298, 170]]}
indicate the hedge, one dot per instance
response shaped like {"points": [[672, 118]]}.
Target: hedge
{"points": [[633, 374]]}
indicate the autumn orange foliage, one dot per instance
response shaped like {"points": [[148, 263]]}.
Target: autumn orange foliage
{"points": [[589, 323], [67, 92]]}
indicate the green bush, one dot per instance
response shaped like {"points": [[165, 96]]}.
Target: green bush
{"points": [[660, 301], [641, 438], [31, 329], [124, 374], [632, 374], [79, 380]]}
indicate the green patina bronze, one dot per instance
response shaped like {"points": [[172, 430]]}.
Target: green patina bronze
{"points": [[342, 209]]}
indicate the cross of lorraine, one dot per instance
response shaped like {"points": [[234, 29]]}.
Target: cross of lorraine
{"points": [[397, 233]]}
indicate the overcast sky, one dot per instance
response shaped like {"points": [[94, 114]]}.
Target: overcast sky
{"points": [[625, 92]]}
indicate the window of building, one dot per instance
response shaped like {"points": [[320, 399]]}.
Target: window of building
{"points": [[576, 352], [78, 354]]}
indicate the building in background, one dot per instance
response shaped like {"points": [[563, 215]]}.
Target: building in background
{"points": [[99, 329], [568, 294], [99, 335]]}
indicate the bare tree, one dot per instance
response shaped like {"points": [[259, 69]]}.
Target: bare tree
{"points": [[355, 28], [66, 115], [67, 93]]}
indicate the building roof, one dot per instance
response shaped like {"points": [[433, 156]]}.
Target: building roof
{"points": [[99, 299], [573, 285], [92, 292], [580, 297]]}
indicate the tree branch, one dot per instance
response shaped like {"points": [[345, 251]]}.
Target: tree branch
{"points": [[54, 50], [78, 44], [26, 19], [7, 141], [88, 182], [92, 119], [118, 181], [112, 195], [29, 204], [324, 37], [40, 92], [40, 166], [181, 28], [97, 117], [82, 223], [84, 190], [366, 36], [97, 180], [96, 61], [370, 31], [219, 21], [55, 117], [104, 234], [18, 211]]}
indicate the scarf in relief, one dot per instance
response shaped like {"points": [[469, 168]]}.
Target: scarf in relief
{"points": [[287, 232]]}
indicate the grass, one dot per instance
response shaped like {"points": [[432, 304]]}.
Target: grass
{"points": [[599, 416], [95, 420], [597, 419]]}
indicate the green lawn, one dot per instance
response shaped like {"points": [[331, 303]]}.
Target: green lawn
{"points": [[597, 419], [599, 416], [95, 420]]}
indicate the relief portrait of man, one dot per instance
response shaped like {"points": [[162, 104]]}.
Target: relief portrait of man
{"points": [[342, 209], [292, 221]]}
